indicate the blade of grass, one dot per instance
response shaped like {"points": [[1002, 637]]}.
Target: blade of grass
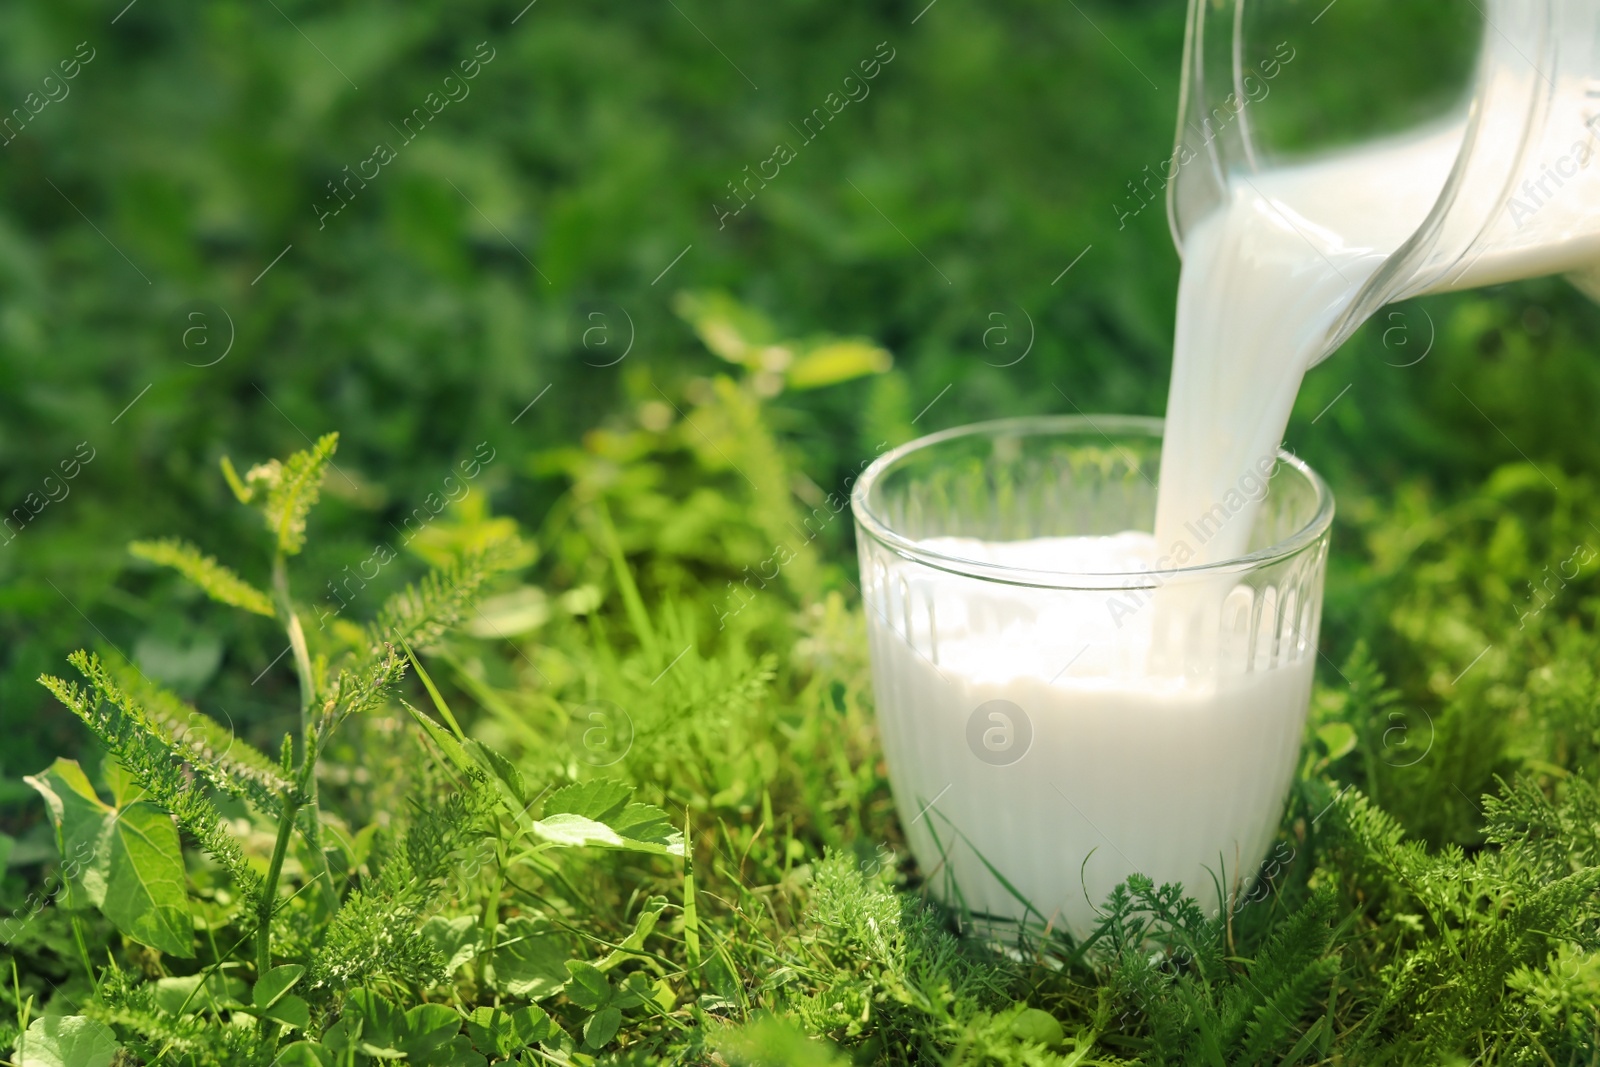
{"points": [[631, 601], [433, 693], [691, 916]]}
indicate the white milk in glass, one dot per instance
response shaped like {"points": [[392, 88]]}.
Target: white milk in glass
{"points": [[1089, 768], [1180, 775]]}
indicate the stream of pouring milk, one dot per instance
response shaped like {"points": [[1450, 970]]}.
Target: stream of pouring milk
{"points": [[1264, 279]]}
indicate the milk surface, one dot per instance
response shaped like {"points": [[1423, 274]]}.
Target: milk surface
{"points": [[1179, 778]]}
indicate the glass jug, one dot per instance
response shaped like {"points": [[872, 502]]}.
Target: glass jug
{"points": [[1522, 195]]}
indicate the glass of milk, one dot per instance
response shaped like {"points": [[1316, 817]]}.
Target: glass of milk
{"points": [[1063, 700]]}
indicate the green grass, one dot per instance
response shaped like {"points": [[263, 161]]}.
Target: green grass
{"points": [[621, 822], [1433, 898]]}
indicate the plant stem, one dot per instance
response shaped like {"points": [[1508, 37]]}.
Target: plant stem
{"points": [[83, 951], [297, 638], [269, 891], [308, 695], [491, 923]]}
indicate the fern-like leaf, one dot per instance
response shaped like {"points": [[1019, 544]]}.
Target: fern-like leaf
{"points": [[154, 761], [1556, 838], [1288, 973], [215, 580], [294, 492], [420, 614], [357, 692], [228, 763], [372, 934]]}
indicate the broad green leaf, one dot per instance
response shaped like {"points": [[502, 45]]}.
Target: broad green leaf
{"points": [[529, 960], [295, 491], [737, 333], [596, 799], [379, 1052], [1038, 1027], [494, 1033], [559, 1039], [589, 987], [531, 1023], [510, 614], [648, 824], [457, 1053], [575, 831], [636, 989], [131, 861], [1339, 738], [601, 1027], [304, 1054], [215, 580], [125, 789], [66, 1041], [187, 995], [381, 1022], [275, 983], [79, 816], [289, 1010], [772, 1039], [501, 1033], [643, 927], [456, 939], [427, 1028], [146, 894], [837, 361]]}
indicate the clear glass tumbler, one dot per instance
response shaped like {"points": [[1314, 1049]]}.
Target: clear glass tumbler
{"points": [[1049, 733]]}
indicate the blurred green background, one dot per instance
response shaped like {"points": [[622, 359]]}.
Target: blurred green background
{"points": [[170, 292]]}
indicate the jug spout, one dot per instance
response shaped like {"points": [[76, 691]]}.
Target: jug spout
{"points": [[1505, 186]]}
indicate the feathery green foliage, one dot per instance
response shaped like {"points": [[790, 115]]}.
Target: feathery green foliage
{"points": [[227, 762], [421, 613], [215, 580], [291, 489], [373, 937]]}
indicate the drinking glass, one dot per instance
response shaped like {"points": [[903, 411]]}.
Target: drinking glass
{"points": [[1050, 732]]}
